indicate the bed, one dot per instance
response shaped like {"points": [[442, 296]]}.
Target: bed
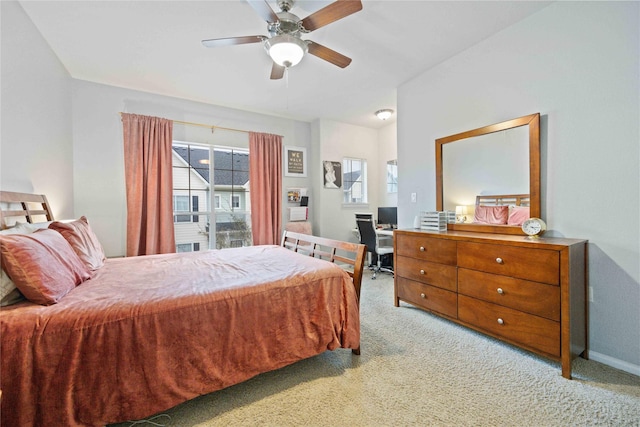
{"points": [[144, 334], [502, 209]]}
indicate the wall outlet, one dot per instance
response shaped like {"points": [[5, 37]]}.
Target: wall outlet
{"points": [[590, 293], [414, 197]]}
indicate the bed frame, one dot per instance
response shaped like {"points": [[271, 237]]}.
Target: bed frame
{"points": [[23, 206], [503, 199], [351, 254]]}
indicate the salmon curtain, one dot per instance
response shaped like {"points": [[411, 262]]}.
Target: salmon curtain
{"points": [[265, 181], [149, 180]]}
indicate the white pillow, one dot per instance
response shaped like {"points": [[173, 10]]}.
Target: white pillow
{"points": [[25, 227], [9, 294]]}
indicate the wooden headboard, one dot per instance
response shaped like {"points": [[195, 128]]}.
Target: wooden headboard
{"points": [[503, 199], [23, 207]]}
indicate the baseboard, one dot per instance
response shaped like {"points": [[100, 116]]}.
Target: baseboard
{"points": [[615, 363]]}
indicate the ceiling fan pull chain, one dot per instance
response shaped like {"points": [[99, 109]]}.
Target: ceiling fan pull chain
{"points": [[286, 84]]}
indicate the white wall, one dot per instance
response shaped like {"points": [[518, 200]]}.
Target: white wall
{"points": [[387, 150], [36, 144], [99, 183], [577, 64], [334, 141]]}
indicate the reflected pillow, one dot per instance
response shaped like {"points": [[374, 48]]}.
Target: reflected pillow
{"points": [[518, 215], [83, 241], [491, 215], [42, 265]]}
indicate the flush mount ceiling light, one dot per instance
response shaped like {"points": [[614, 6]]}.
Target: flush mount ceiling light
{"points": [[384, 114], [285, 50]]}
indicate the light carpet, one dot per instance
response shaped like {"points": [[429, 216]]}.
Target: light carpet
{"points": [[419, 370]]}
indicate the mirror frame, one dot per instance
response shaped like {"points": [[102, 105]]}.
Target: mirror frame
{"points": [[533, 121]]}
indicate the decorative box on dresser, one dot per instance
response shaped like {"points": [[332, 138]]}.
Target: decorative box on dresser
{"points": [[527, 292]]}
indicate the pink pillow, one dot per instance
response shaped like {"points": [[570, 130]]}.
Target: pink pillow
{"points": [[491, 214], [518, 215], [43, 265], [83, 241]]}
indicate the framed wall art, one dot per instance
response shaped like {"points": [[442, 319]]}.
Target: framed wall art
{"points": [[295, 161], [332, 174]]}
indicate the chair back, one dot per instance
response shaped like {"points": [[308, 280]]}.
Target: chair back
{"points": [[367, 230]]}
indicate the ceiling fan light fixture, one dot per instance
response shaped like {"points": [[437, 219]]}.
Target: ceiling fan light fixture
{"points": [[384, 114], [286, 50]]}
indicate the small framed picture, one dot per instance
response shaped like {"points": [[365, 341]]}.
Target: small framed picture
{"points": [[332, 174], [295, 161]]}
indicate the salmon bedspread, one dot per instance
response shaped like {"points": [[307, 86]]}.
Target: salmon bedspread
{"points": [[147, 333]]}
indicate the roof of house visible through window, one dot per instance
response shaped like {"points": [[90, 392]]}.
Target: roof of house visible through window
{"points": [[228, 168]]}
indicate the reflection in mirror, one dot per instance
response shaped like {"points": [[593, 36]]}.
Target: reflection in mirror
{"points": [[496, 163], [392, 176], [496, 160]]}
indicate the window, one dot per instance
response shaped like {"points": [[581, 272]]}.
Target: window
{"points": [[354, 173], [183, 247], [197, 224], [187, 247], [181, 204], [392, 176]]}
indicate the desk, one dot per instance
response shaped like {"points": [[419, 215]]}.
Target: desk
{"points": [[379, 232]]}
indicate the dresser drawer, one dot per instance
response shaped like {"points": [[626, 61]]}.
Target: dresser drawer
{"points": [[529, 330], [440, 275], [435, 250], [429, 297], [533, 297], [539, 265]]}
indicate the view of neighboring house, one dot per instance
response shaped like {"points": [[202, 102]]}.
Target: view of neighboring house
{"points": [[193, 198]]}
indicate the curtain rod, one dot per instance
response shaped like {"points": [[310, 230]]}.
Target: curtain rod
{"points": [[203, 125]]}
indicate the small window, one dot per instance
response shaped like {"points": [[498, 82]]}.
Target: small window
{"points": [[183, 247], [187, 247], [181, 204], [354, 172], [236, 243], [392, 176], [216, 200], [235, 201]]}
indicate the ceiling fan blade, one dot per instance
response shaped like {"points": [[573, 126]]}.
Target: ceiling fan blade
{"points": [[264, 10], [230, 41], [328, 55], [333, 12], [277, 71]]}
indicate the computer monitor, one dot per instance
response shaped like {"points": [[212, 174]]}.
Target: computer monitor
{"points": [[388, 216]]}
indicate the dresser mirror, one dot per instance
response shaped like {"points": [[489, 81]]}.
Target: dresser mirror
{"points": [[495, 160]]}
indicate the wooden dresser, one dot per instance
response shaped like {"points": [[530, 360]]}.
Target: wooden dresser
{"points": [[529, 293]]}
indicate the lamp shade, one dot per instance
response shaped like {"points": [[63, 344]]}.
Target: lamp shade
{"points": [[285, 50]]}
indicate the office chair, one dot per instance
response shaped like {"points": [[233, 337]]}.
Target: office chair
{"points": [[370, 238]]}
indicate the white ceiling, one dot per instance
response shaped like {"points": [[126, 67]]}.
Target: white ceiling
{"points": [[155, 46]]}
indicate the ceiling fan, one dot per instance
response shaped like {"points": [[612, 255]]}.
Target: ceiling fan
{"points": [[284, 45]]}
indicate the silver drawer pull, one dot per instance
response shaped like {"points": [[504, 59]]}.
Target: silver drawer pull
{"points": [[500, 321], [500, 291], [422, 249], [499, 261], [421, 271], [422, 295]]}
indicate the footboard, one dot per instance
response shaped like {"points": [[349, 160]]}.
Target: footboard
{"points": [[336, 251]]}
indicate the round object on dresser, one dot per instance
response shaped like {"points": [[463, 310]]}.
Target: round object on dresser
{"points": [[534, 227]]}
